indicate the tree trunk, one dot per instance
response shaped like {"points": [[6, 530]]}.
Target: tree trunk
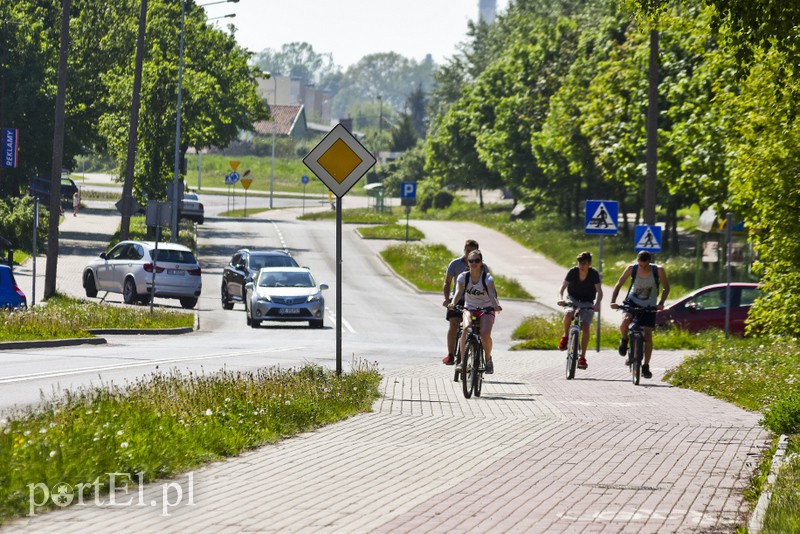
{"points": [[58, 157]]}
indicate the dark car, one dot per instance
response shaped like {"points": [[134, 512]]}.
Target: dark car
{"points": [[705, 308], [11, 296], [244, 266], [40, 187]]}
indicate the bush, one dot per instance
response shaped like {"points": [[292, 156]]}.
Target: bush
{"points": [[442, 200], [16, 223], [783, 415]]}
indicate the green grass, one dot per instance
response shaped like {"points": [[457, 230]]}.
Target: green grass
{"points": [[242, 213], [391, 231], [63, 317], [783, 514], [424, 266], [138, 232], [544, 333], [167, 423], [353, 216]]}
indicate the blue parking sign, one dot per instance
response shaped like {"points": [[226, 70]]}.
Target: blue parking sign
{"points": [[408, 190]]}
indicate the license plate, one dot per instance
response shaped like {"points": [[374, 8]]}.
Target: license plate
{"points": [[289, 311], [175, 271]]}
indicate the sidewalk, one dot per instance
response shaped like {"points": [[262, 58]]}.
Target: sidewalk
{"points": [[536, 453]]}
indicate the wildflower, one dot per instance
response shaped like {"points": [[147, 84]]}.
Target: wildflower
{"points": [[124, 445], [52, 454], [209, 412], [119, 432]]}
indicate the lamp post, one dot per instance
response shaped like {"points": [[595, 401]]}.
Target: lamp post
{"points": [[268, 75], [176, 176]]}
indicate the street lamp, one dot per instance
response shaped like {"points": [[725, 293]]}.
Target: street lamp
{"points": [[176, 176], [267, 75], [228, 16]]}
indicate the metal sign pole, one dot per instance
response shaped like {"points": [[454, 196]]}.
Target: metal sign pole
{"points": [[599, 312], [728, 246], [35, 231], [338, 286]]}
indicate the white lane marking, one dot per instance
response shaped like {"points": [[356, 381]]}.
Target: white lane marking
{"points": [[332, 317], [145, 363], [280, 236]]}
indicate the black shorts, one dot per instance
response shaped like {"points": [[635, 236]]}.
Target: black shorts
{"points": [[454, 314], [647, 319]]}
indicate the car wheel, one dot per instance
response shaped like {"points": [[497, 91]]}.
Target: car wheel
{"points": [[255, 323], [145, 300], [226, 303], [90, 285], [188, 302], [316, 323], [129, 291]]}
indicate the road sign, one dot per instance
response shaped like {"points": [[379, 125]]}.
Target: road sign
{"points": [[246, 173], [339, 160], [601, 216], [647, 238], [246, 182], [304, 179], [10, 142], [408, 190], [232, 177], [234, 165]]}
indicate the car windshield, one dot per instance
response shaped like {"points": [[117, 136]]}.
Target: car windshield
{"points": [[271, 260], [173, 256], [281, 279]]}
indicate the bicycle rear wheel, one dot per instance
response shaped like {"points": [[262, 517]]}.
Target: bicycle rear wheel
{"points": [[479, 367], [636, 356], [466, 376], [572, 354]]}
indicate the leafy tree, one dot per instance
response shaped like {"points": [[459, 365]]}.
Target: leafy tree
{"points": [[297, 60], [403, 134]]}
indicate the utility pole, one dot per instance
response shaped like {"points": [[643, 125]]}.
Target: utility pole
{"points": [[652, 129], [58, 156], [133, 137]]}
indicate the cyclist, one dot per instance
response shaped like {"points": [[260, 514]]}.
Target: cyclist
{"points": [[476, 286], [646, 277], [456, 267], [583, 287]]}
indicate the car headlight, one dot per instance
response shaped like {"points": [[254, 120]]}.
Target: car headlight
{"points": [[264, 298], [314, 298]]}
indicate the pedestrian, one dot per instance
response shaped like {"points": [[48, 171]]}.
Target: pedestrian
{"points": [[454, 268], [76, 202]]}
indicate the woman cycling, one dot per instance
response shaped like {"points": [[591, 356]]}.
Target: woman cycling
{"points": [[480, 297]]}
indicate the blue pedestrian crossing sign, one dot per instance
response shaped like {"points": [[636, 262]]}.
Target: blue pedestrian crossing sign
{"points": [[647, 238], [601, 216]]}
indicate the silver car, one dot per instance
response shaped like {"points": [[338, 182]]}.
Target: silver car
{"points": [[128, 268], [191, 208], [284, 294]]}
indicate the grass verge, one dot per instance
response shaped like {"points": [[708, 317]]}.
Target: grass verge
{"points": [[353, 216], [64, 317], [165, 424], [424, 266], [391, 231]]}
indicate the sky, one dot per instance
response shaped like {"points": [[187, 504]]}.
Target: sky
{"points": [[351, 29]]}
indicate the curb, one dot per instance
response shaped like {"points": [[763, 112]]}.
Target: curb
{"points": [[47, 343], [140, 332], [756, 522]]}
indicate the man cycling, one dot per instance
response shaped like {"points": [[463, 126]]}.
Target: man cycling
{"points": [[583, 287], [646, 279], [476, 286], [456, 267]]}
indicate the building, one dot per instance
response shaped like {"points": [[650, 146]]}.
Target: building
{"points": [[286, 91]]}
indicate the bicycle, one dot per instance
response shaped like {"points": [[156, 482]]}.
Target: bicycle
{"points": [[635, 339], [474, 362], [457, 353], [574, 336]]}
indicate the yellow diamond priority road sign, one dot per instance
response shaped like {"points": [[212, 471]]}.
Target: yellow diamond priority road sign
{"points": [[339, 160]]}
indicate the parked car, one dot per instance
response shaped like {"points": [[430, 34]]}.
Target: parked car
{"points": [[705, 308], [191, 208], [128, 269], [11, 296], [244, 266], [284, 294], [40, 187]]}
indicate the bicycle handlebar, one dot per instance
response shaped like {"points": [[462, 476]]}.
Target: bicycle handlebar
{"points": [[576, 306], [636, 309], [459, 307]]}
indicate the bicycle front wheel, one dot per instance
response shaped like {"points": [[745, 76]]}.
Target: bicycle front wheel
{"points": [[466, 376], [636, 356], [479, 367], [572, 354], [456, 372]]}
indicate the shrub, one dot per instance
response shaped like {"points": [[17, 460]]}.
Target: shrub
{"points": [[442, 200], [783, 415], [16, 223]]}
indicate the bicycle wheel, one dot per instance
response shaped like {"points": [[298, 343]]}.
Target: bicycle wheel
{"points": [[572, 353], [466, 376], [636, 356], [477, 374], [456, 355]]}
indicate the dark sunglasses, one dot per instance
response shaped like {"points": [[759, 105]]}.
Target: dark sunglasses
{"points": [[474, 261]]}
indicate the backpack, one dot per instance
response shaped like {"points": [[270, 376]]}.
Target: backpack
{"points": [[653, 266]]}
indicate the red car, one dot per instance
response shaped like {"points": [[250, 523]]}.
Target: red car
{"points": [[705, 308]]}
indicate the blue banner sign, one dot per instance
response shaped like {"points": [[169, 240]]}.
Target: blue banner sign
{"points": [[10, 147]]}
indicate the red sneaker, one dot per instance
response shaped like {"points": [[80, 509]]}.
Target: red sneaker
{"points": [[582, 363], [448, 360], [562, 345]]}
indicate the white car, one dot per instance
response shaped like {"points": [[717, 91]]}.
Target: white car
{"points": [[191, 208], [284, 294], [130, 267]]}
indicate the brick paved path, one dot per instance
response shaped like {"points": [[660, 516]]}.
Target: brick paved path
{"points": [[536, 453]]}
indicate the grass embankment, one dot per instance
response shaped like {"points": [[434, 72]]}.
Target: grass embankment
{"points": [[164, 424], [391, 231], [354, 216], [62, 317]]}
